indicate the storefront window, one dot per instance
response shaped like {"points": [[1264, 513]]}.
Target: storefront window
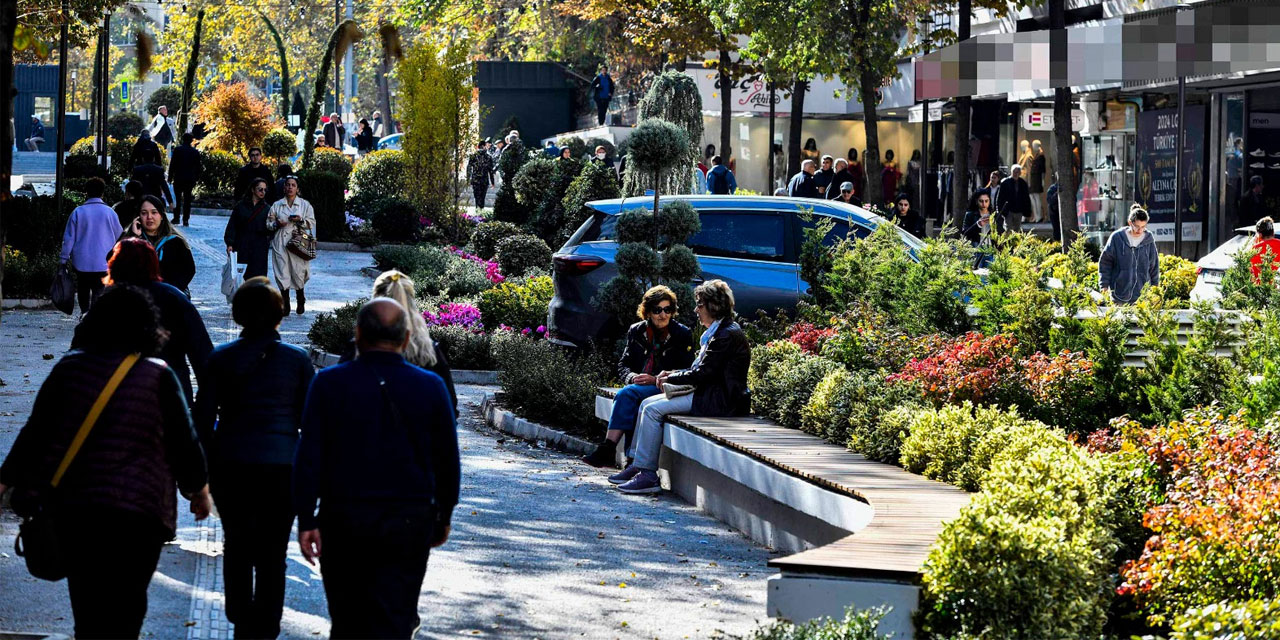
{"points": [[43, 109], [1233, 161]]}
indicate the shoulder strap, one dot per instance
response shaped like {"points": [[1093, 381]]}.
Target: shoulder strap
{"points": [[160, 247], [94, 413], [399, 422]]}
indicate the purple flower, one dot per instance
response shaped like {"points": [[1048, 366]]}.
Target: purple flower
{"points": [[526, 331], [542, 328], [455, 314]]}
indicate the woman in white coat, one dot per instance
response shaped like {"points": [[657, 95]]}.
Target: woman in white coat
{"points": [[291, 271]]}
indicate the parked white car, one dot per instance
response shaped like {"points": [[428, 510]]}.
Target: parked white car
{"points": [[1210, 268]]}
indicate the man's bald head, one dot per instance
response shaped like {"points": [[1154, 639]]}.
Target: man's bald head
{"points": [[382, 325]]}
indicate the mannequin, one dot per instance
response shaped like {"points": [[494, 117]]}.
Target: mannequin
{"points": [[1035, 181], [810, 151], [889, 177], [1024, 154], [858, 171]]}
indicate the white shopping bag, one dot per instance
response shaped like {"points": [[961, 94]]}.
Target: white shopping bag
{"points": [[231, 277]]}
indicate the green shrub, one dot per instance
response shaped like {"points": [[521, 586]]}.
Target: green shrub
{"points": [[464, 279], [332, 332], [125, 125], [112, 194], [881, 440], [533, 182], [677, 221], [634, 257], [1028, 558], [465, 349], [793, 379], [485, 239], [395, 220], [332, 161], [279, 144], [81, 166], [506, 208], [548, 384], [1177, 278], [1247, 620], [856, 625], [366, 204], [220, 171], [548, 220], [827, 412], [34, 225], [518, 254], [381, 172], [594, 182], [849, 409], [169, 95], [519, 303], [513, 157], [28, 275], [324, 191], [411, 259], [764, 357]]}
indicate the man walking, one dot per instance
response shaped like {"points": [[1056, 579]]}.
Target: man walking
{"points": [[184, 171], [151, 176], [335, 134], [480, 172], [162, 127], [802, 184], [1013, 201], [720, 180], [37, 134], [255, 169], [602, 92], [91, 233], [379, 450]]}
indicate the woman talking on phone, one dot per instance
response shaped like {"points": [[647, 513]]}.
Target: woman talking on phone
{"points": [[177, 266], [288, 214]]}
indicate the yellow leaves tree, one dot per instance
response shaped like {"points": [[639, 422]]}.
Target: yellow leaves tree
{"points": [[236, 120]]}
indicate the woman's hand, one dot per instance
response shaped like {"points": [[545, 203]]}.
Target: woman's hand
{"points": [[135, 227], [309, 541], [662, 379], [643, 379], [201, 503]]}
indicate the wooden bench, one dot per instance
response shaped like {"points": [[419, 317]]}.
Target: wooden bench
{"points": [[856, 531]]}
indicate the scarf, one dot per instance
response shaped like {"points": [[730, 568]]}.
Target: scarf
{"points": [[656, 339], [705, 340]]}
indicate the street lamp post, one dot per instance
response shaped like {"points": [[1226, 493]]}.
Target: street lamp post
{"points": [[926, 26], [61, 122]]}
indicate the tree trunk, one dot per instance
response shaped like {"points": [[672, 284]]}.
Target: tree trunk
{"points": [[1065, 164], [104, 46], [964, 123], [870, 124], [726, 108], [795, 126], [8, 24], [388, 123]]}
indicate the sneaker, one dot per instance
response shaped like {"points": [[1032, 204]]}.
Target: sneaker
{"points": [[1258, 153], [644, 482], [1258, 165], [1275, 155], [624, 476], [1275, 166]]}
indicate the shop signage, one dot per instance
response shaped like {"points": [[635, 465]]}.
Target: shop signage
{"points": [[1157, 146], [1042, 120], [935, 113], [1264, 120], [751, 94]]}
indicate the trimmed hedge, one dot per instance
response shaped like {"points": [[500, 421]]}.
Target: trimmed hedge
{"points": [[485, 239], [220, 171], [549, 384], [518, 254], [324, 191], [380, 173], [465, 349], [520, 304]]}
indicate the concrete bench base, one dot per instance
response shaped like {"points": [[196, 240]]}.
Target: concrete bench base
{"points": [[803, 597]]}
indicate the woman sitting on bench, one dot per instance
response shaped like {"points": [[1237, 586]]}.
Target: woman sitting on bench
{"points": [[715, 385], [655, 344]]}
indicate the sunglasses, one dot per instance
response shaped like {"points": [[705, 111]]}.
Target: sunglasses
{"points": [[664, 310]]}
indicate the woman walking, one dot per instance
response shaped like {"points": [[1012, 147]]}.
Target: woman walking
{"points": [[177, 266], [248, 415], [246, 232], [292, 271], [115, 506]]}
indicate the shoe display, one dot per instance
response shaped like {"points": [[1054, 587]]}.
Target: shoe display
{"points": [[624, 476], [1275, 166], [645, 482], [1258, 153], [1258, 165], [1275, 155]]}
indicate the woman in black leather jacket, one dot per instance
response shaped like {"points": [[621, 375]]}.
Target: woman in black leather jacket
{"points": [[248, 414], [714, 385], [655, 344]]}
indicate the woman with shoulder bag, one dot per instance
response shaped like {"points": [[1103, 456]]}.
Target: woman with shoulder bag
{"points": [[246, 233], [177, 265], [294, 223], [108, 439]]}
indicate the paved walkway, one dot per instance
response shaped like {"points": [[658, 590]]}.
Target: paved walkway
{"points": [[542, 546]]}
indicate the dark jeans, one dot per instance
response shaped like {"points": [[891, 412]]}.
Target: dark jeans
{"points": [[88, 287], [375, 558], [182, 205], [257, 518], [108, 576], [626, 406], [480, 191], [602, 109]]}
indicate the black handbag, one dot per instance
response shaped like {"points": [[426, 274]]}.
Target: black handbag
{"points": [[63, 290], [37, 540]]}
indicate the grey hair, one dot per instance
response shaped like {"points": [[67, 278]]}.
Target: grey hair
{"points": [[1266, 227], [399, 287], [717, 297], [1016, 167], [374, 330], [807, 163]]}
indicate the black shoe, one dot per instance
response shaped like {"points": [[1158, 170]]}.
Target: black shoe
{"points": [[177, 221], [603, 456], [302, 301], [285, 296]]}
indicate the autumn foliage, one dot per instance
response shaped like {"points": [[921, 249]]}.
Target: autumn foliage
{"points": [[236, 119]]}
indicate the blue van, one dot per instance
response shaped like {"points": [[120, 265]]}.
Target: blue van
{"points": [[750, 242]]}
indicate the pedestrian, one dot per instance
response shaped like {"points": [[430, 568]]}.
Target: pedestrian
{"points": [[185, 170], [909, 218], [823, 177], [993, 183], [565, 153], [364, 137], [480, 172], [602, 93], [177, 266], [1251, 207], [1013, 201], [335, 133], [162, 128], [802, 184], [976, 226], [1130, 260], [90, 233], [144, 150], [254, 169], [116, 503], [247, 233], [846, 195], [291, 271], [421, 351], [1266, 248], [379, 130], [841, 176], [379, 450], [36, 138], [602, 157], [714, 385], [720, 180], [254, 393], [128, 209], [151, 176], [1055, 218], [552, 151], [283, 171], [655, 344]]}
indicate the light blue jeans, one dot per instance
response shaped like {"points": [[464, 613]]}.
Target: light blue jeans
{"points": [[648, 438]]}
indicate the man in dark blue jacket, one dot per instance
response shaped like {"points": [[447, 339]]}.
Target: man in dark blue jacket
{"points": [[185, 169], [379, 450], [602, 92], [720, 179], [802, 184]]}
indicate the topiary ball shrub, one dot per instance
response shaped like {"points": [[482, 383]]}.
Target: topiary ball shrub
{"points": [[637, 258], [518, 254], [656, 146], [678, 221], [521, 303], [396, 220], [380, 173], [279, 144], [594, 182], [332, 161], [125, 125], [679, 264], [532, 183], [616, 295], [484, 240], [219, 176], [635, 225]]}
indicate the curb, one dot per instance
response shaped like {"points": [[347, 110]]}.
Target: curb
{"points": [[26, 303], [322, 359], [202, 211], [350, 247], [372, 272], [505, 421]]}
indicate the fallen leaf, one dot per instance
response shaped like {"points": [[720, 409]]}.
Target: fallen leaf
{"points": [[189, 623], [622, 585], [47, 356], [600, 535]]}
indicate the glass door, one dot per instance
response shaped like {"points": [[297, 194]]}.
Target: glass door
{"points": [[1230, 148]]}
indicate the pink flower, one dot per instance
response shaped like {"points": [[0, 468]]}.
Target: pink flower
{"points": [[542, 328], [525, 331]]}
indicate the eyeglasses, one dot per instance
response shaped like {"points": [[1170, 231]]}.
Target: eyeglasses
{"points": [[664, 310], [700, 305]]}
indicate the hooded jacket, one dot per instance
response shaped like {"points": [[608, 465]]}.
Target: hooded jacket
{"points": [[1126, 269]]}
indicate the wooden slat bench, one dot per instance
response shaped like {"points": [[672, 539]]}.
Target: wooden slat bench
{"points": [[858, 531]]}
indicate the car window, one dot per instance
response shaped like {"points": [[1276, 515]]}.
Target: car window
{"points": [[731, 234], [839, 229], [600, 226]]}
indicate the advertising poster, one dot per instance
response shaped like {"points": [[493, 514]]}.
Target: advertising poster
{"points": [[1157, 169]]}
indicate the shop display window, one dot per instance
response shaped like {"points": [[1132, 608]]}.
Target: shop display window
{"points": [[1106, 187]]}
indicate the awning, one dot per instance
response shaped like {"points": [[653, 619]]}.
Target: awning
{"points": [[1205, 40]]}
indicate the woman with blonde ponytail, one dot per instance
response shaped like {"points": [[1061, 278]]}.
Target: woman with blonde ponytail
{"points": [[422, 351]]}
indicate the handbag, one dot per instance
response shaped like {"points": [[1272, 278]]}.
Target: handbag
{"points": [[673, 391], [63, 290], [232, 278], [37, 540], [303, 242]]}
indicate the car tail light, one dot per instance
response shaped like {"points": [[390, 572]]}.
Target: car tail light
{"points": [[572, 265]]}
